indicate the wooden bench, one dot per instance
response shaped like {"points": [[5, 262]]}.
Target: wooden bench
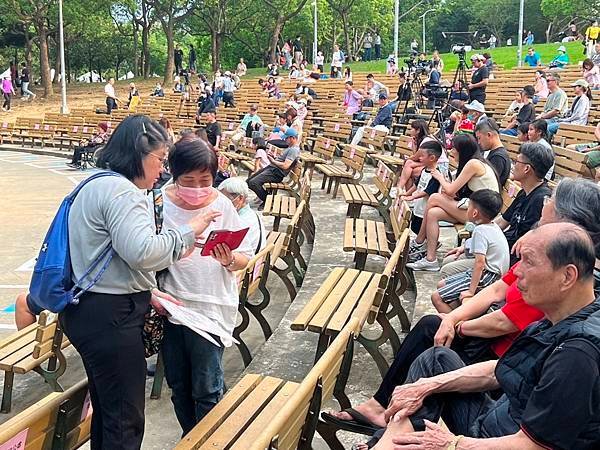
{"points": [[287, 249], [568, 134], [370, 237], [251, 280], [353, 160], [263, 412], [281, 206], [349, 294], [571, 163], [359, 195], [6, 131], [321, 152], [60, 421], [28, 349]]}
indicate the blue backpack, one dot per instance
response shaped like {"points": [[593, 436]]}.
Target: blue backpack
{"points": [[52, 286]]}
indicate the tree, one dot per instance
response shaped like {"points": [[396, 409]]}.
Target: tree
{"points": [[495, 16], [37, 13], [171, 13], [219, 18], [283, 11]]}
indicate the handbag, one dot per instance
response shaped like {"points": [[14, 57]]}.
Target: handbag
{"points": [[154, 323]]}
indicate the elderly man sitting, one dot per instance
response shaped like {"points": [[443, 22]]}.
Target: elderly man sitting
{"points": [[555, 362]]}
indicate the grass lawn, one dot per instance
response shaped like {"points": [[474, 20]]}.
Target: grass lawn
{"points": [[503, 56]]}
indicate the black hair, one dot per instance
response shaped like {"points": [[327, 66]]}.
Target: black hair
{"points": [[349, 83], [134, 138], [192, 154], [572, 247], [370, 76], [259, 142], [468, 149], [587, 62], [487, 125], [422, 127], [539, 157], [529, 91], [488, 202], [523, 128], [432, 148], [542, 126]]}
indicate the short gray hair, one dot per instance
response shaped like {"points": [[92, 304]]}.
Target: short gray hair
{"points": [[236, 186], [577, 200]]}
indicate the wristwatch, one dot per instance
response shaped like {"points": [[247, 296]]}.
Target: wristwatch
{"points": [[454, 442]]}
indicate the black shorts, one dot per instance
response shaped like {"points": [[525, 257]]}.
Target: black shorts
{"points": [[415, 224], [35, 309]]}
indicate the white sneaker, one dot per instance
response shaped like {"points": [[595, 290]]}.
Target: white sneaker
{"points": [[425, 265], [416, 246]]}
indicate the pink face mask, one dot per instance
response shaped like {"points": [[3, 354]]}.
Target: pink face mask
{"points": [[193, 196]]}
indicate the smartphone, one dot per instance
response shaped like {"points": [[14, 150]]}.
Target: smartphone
{"points": [[232, 238]]}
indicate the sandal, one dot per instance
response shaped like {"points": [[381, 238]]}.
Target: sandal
{"points": [[360, 423]]}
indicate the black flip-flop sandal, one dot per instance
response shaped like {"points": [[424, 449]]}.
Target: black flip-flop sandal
{"points": [[360, 424]]}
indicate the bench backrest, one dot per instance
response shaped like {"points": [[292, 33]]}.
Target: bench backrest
{"points": [[60, 420], [325, 148], [373, 139], [400, 216], [49, 335], [255, 273], [294, 424], [354, 157], [384, 178], [574, 134], [570, 163]]}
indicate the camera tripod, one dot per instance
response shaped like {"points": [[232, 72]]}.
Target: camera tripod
{"points": [[461, 75], [414, 89]]}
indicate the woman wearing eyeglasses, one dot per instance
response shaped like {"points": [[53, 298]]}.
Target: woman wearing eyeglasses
{"points": [[106, 326]]}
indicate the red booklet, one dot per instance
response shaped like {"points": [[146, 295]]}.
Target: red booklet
{"points": [[232, 238]]}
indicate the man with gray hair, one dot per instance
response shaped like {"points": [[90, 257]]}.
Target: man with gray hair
{"points": [[553, 363], [557, 102], [236, 189]]}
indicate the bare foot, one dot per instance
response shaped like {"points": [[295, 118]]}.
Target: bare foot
{"points": [[371, 409], [360, 447]]}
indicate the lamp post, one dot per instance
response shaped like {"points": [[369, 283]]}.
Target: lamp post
{"points": [[396, 20], [520, 51], [315, 35], [423, 17], [64, 109]]}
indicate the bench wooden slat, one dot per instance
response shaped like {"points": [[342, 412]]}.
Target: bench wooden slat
{"points": [[244, 414], [19, 343], [302, 320], [382, 241], [372, 246], [365, 307], [360, 242], [266, 415], [219, 413], [351, 300], [18, 335], [321, 318]]}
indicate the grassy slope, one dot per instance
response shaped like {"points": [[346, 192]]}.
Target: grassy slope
{"points": [[503, 56]]}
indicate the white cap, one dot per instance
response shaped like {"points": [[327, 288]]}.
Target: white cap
{"points": [[475, 106]]}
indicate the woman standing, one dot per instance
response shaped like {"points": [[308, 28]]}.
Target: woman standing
{"points": [[336, 62], [205, 284], [106, 326]]}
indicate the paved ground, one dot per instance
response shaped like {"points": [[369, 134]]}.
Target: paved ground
{"points": [[32, 187]]}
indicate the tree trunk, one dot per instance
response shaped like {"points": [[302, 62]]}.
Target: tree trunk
{"points": [[136, 55], [57, 61], [44, 60], [28, 48], [170, 66], [216, 42], [91, 61], [275, 38], [146, 52], [549, 32], [350, 56]]}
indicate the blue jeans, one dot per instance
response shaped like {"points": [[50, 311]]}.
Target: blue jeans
{"points": [[552, 129], [367, 54], [194, 372], [509, 131]]}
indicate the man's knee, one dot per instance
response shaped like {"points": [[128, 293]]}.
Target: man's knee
{"points": [[435, 361], [427, 325]]}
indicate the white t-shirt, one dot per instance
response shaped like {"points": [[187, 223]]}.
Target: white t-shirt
{"points": [[252, 220], [201, 282], [489, 240], [262, 155], [109, 90], [319, 60], [337, 60]]}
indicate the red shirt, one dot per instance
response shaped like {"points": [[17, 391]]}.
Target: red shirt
{"points": [[517, 311]]}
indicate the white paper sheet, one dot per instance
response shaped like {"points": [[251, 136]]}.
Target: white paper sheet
{"points": [[196, 322]]}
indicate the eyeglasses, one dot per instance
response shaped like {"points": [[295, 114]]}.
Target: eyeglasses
{"points": [[162, 159], [522, 162]]}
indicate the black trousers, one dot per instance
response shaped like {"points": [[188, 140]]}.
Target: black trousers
{"points": [[80, 150], [106, 330], [269, 174], [228, 99], [111, 104], [417, 341], [7, 97], [479, 96]]}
